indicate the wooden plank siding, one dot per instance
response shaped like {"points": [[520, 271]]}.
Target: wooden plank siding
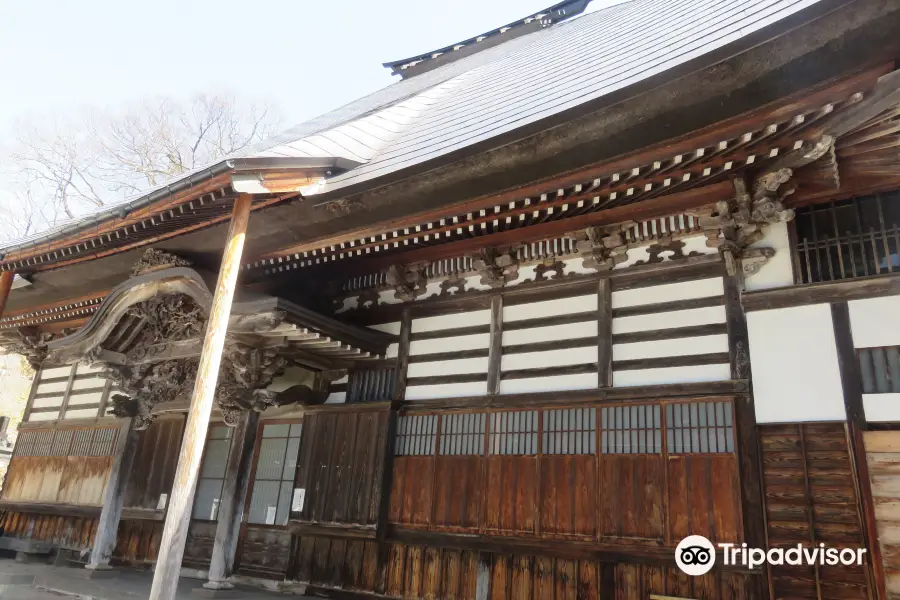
{"points": [[811, 498], [66, 531], [883, 457]]}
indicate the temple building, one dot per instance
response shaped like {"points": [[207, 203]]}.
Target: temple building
{"points": [[509, 328]]}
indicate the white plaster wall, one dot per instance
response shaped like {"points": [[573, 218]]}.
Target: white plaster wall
{"points": [[795, 366], [446, 390], [875, 321], [554, 383], [777, 272], [563, 306], [452, 321], [882, 407], [670, 292], [669, 320], [689, 374]]}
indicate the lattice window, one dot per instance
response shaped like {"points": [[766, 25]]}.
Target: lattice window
{"points": [[416, 435], [62, 442], [25, 443], [43, 443], [699, 427], [102, 442], [276, 467], [631, 429], [462, 434], [514, 432], [851, 238], [880, 369], [81, 444], [570, 431], [212, 473], [371, 385]]}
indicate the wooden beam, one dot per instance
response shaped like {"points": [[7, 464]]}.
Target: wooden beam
{"points": [[168, 564], [604, 334], [6, 281], [114, 497], [822, 293], [496, 346], [234, 492]]}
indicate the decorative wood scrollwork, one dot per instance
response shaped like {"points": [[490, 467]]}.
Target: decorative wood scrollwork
{"points": [[408, 282], [496, 268], [153, 260]]}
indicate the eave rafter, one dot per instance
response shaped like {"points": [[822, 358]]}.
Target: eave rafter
{"points": [[798, 133]]}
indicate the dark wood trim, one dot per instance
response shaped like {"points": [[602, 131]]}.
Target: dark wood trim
{"points": [[75, 407], [604, 334], [687, 269], [86, 391], [143, 514], [581, 342], [673, 333], [355, 532], [579, 317], [29, 404], [681, 391], [867, 508], [565, 549], [495, 356], [449, 333], [441, 379], [848, 365], [455, 355], [550, 371], [660, 307], [345, 407], [691, 360], [336, 388], [749, 454], [822, 293], [403, 354], [63, 510]]}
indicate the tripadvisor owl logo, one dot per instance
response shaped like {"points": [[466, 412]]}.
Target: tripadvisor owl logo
{"points": [[695, 555]]}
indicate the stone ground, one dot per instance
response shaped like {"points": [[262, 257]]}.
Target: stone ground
{"points": [[32, 581]]}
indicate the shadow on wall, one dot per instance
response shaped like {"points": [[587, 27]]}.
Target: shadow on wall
{"points": [[15, 383]]}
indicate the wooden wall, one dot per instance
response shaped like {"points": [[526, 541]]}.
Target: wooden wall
{"points": [[69, 531], [60, 466], [883, 457], [429, 572], [612, 473], [811, 497], [341, 455]]}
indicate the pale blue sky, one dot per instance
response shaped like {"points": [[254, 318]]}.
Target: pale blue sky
{"points": [[307, 57]]}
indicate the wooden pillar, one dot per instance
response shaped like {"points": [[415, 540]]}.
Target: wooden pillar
{"points": [[604, 333], [114, 497], [6, 281], [852, 387], [178, 516], [495, 356], [231, 507]]}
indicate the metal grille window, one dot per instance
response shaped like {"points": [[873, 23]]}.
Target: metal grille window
{"points": [[631, 429], [371, 385], [66, 442], [415, 435], [462, 434], [699, 427], [851, 238], [212, 473], [273, 482], [514, 432], [570, 431], [880, 369]]}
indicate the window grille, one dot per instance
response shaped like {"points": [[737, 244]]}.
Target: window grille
{"points": [[631, 429], [212, 473], [81, 444], [847, 239], [62, 443], [570, 431], [371, 385], [415, 435], [273, 483], [43, 443], [513, 432], [699, 427], [66, 442], [25, 443], [462, 434], [880, 369]]}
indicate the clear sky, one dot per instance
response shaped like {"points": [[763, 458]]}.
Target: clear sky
{"points": [[307, 57]]}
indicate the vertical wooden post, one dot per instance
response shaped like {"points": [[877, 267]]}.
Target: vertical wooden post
{"points": [[168, 564], [114, 497], [851, 385], [495, 355], [231, 508], [604, 333], [749, 454], [6, 281]]}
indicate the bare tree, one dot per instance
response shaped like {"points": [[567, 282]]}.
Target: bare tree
{"points": [[60, 169]]}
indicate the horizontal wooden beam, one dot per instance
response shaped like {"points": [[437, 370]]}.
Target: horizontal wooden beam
{"points": [[63, 510], [821, 293]]}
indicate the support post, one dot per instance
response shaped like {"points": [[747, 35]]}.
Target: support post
{"points": [[114, 497], [178, 516], [495, 356], [604, 333], [6, 281], [231, 508]]}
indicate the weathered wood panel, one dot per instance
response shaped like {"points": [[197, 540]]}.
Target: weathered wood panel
{"points": [[264, 552], [155, 461], [457, 492], [811, 498], [511, 494], [883, 458], [137, 541], [568, 497], [199, 546], [411, 490], [339, 466], [704, 497], [71, 532], [57, 479], [632, 496]]}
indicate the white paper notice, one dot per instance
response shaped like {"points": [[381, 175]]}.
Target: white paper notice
{"points": [[298, 499], [214, 510], [270, 515], [163, 501]]}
